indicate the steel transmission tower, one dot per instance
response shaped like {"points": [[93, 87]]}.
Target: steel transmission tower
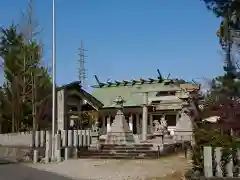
{"points": [[82, 70]]}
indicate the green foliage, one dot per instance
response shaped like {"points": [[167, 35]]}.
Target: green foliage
{"points": [[229, 11], [223, 98], [213, 135], [23, 72]]}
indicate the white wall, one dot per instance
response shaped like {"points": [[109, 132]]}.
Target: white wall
{"points": [[16, 139]]}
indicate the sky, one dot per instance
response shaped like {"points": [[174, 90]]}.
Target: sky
{"points": [[127, 39]]}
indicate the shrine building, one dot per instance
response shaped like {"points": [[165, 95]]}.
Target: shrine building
{"points": [[145, 100], [165, 99]]}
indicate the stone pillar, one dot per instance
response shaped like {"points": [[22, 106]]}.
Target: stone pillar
{"points": [[108, 123], [145, 116], [151, 123], [130, 123], [138, 123], [61, 110]]}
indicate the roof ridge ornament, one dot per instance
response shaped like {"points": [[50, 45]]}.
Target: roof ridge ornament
{"points": [[132, 82], [99, 83]]}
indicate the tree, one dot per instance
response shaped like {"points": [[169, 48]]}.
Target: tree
{"points": [[223, 97], [22, 64], [39, 77], [10, 51], [229, 11]]}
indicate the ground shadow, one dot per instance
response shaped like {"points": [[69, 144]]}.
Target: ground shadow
{"points": [[14, 171]]}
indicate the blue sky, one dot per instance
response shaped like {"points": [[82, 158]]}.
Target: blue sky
{"points": [[127, 39]]}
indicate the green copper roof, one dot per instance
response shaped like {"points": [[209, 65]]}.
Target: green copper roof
{"points": [[130, 91], [85, 95]]}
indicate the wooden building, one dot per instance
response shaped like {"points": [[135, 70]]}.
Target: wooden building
{"points": [[166, 99]]}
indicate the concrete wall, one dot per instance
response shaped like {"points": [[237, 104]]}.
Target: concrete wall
{"points": [[16, 154], [19, 146], [16, 139], [26, 139]]}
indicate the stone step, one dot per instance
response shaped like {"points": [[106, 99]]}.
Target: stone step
{"points": [[126, 148], [136, 147], [127, 145], [127, 151], [119, 153], [116, 157]]}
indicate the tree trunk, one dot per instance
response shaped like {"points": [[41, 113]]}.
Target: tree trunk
{"points": [[13, 122]]}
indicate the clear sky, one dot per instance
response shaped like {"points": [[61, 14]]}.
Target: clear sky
{"points": [[127, 39]]}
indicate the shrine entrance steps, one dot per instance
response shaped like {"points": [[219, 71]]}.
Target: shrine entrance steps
{"points": [[114, 151]]}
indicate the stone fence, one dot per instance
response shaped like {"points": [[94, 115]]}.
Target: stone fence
{"points": [[215, 168], [25, 139], [40, 146]]}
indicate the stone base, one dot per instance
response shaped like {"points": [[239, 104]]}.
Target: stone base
{"points": [[158, 139], [18, 154], [120, 138], [94, 146]]}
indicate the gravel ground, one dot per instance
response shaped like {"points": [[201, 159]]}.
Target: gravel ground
{"points": [[163, 168]]}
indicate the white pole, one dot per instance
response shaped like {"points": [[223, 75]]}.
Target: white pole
{"points": [[53, 75]]}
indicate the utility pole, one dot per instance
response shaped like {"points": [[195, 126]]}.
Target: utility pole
{"points": [[81, 69], [53, 77]]}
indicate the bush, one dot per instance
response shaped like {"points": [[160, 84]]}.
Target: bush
{"points": [[214, 135]]}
